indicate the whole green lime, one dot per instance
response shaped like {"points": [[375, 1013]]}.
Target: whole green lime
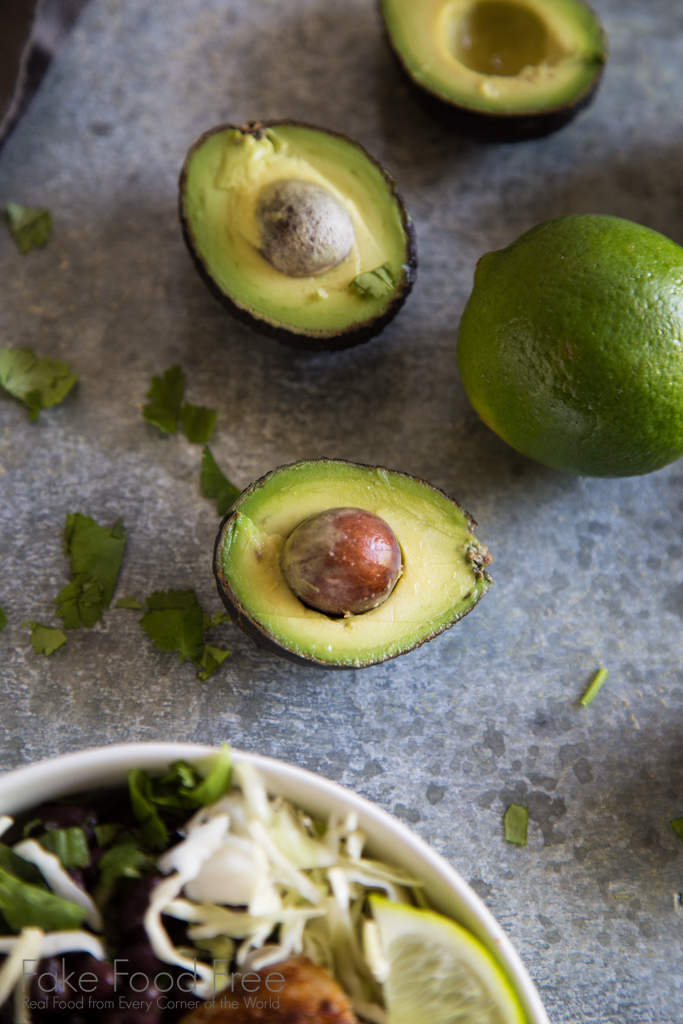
{"points": [[571, 345]]}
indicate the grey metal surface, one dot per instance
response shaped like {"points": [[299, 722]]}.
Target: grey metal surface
{"points": [[588, 572]]}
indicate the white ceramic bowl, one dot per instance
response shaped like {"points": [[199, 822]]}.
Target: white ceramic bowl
{"points": [[388, 839]]}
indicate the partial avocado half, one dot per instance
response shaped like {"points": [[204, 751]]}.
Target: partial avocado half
{"points": [[444, 566], [298, 231], [499, 70]]}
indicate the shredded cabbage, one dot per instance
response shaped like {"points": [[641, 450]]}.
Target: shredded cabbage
{"points": [[278, 884]]}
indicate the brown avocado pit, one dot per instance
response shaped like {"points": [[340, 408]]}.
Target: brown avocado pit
{"points": [[343, 561], [304, 229], [298, 232]]}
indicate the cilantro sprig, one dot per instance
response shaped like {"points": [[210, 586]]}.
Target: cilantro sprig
{"points": [[95, 553], [175, 621], [36, 382], [214, 484], [166, 408]]}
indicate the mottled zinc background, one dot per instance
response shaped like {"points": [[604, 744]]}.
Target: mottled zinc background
{"points": [[588, 572]]}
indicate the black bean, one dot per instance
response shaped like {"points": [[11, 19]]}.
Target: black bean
{"points": [[133, 903], [103, 971], [49, 980], [78, 877], [67, 816], [149, 1013]]}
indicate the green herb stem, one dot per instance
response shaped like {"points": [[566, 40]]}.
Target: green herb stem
{"points": [[594, 688]]}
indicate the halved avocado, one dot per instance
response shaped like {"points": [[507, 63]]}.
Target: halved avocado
{"points": [[499, 70], [261, 202], [443, 573]]}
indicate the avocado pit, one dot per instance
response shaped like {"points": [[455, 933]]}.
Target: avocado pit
{"points": [[304, 229], [343, 561]]}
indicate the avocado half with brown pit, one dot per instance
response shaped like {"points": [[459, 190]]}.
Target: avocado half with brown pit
{"points": [[298, 232], [342, 565], [499, 70]]}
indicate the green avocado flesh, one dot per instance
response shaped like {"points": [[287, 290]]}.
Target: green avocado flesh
{"points": [[441, 581], [224, 176], [502, 56]]}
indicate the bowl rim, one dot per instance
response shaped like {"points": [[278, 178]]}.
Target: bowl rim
{"points": [[24, 786]]}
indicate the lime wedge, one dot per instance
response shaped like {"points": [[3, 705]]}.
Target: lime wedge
{"points": [[438, 973]]}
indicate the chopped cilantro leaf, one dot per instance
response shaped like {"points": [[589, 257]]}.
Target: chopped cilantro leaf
{"points": [[23, 869], [95, 550], [176, 621], [95, 553], [217, 782], [45, 639], [594, 688], [212, 659], [153, 831], [80, 602], [129, 602], [123, 860], [38, 383], [69, 845], [516, 824], [166, 393], [677, 826], [197, 422], [24, 905], [167, 408], [214, 484], [180, 774], [106, 834], [158, 801], [30, 226], [219, 617], [374, 284], [3, 619]]}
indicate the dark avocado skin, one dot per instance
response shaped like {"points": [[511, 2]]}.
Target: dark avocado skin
{"points": [[482, 126], [241, 617], [354, 335]]}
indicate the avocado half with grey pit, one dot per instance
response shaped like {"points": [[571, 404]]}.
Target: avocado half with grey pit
{"points": [[499, 70], [298, 232], [341, 565]]}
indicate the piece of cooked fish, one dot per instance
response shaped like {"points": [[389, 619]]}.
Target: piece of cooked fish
{"points": [[308, 995]]}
